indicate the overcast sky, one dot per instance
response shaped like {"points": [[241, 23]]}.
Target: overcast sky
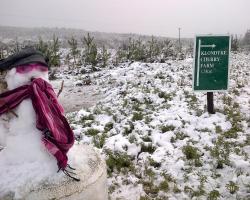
{"points": [[152, 17]]}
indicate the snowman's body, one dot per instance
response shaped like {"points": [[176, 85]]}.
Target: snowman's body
{"points": [[21, 141]]}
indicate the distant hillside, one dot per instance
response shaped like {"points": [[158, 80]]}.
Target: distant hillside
{"points": [[112, 40]]}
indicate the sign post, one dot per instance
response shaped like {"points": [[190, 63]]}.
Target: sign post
{"points": [[210, 102], [211, 63]]}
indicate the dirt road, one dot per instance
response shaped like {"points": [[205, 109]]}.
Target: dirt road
{"points": [[73, 98]]}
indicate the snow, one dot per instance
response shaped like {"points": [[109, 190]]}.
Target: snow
{"points": [[135, 88], [170, 117], [103, 119]]}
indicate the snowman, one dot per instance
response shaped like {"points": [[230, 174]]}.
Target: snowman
{"points": [[34, 134], [37, 149]]}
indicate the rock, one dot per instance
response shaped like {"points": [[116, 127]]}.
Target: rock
{"points": [[87, 81], [79, 84], [92, 186], [83, 71]]}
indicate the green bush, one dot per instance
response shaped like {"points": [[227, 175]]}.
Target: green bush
{"points": [[190, 152], [232, 187], [148, 148], [99, 140], [165, 96], [214, 195], [137, 116], [108, 127], [164, 186], [167, 128], [92, 132], [118, 161]]}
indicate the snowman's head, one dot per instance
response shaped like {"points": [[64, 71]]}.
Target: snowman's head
{"points": [[20, 68], [23, 74]]}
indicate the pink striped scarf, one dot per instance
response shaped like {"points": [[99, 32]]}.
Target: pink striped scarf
{"points": [[58, 136]]}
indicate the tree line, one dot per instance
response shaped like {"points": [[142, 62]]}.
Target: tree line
{"points": [[86, 52]]}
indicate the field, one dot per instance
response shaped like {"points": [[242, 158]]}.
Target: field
{"points": [[158, 140]]}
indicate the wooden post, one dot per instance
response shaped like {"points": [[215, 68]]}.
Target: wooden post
{"points": [[210, 102]]}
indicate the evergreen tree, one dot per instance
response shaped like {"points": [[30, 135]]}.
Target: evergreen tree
{"points": [[67, 60], [234, 43], [90, 53], [74, 51], [104, 56], [54, 52], [120, 56], [153, 49], [51, 50], [88, 42], [130, 48], [42, 46], [16, 46], [138, 52], [246, 39], [190, 49], [92, 57], [167, 49], [3, 50]]}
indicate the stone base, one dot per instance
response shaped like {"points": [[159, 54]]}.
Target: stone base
{"points": [[92, 186]]}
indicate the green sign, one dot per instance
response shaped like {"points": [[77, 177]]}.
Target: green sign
{"points": [[211, 63]]}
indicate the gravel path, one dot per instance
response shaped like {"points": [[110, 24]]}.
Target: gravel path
{"points": [[73, 98]]}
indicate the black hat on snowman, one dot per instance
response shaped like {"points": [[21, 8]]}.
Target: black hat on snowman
{"points": [[24, 57]]}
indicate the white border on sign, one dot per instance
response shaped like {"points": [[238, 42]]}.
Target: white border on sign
{"points": [[229, 63]]}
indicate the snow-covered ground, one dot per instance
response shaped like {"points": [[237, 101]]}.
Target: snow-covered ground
{"points": [[159, 141]]}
